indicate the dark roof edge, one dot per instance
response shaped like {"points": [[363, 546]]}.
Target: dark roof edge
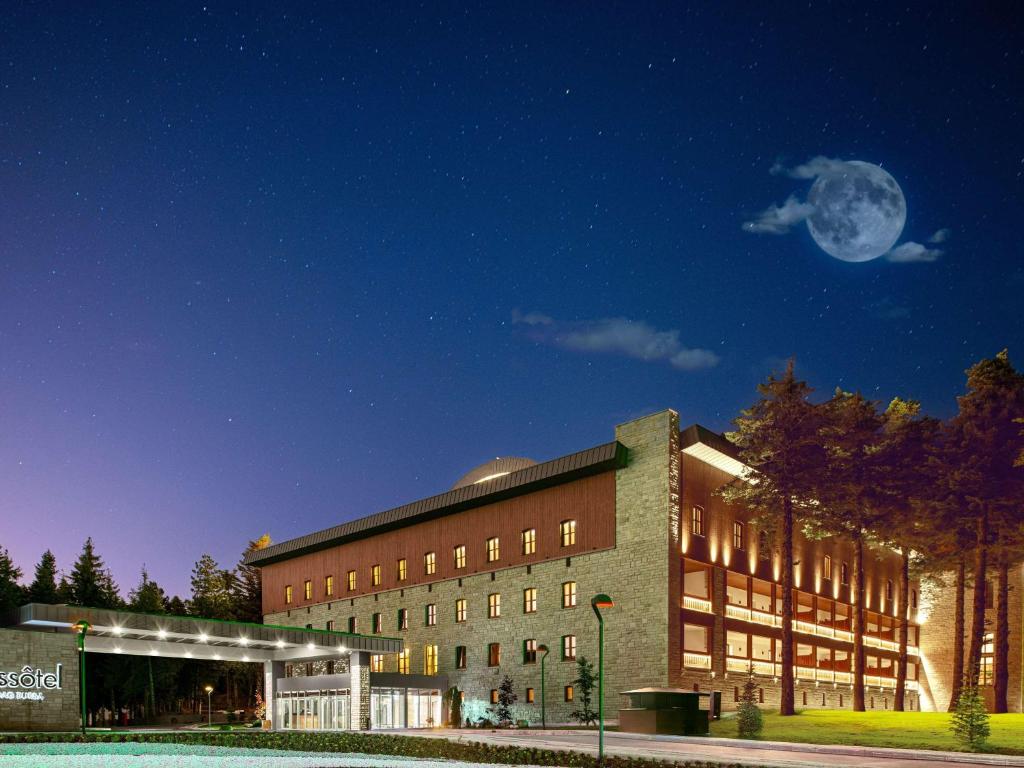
{"points": [[592, 461], [695, 433]]}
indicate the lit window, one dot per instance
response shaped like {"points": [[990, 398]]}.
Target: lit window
{"points": [[378, 623], [695, 638], [529, 651], [403, 662], [430, 563], [529, 696], [569, 695], [351, 581], [330, 625], [569, 648], [494, 655], [403, 569], [696, 579], [353, 625], [827, 568], [430, 615], [375, 576], [288, 594], [460, 657], [844, 574], [307, 589], [697, 521], [329, 585], [529, 541], [403, 618], [493, 605], [494, 695], [460, 610], [493, 549], [569, 594], [530, 600], [567, 532], [430, 660], [377, 662], [460, 556], [739, 540]]}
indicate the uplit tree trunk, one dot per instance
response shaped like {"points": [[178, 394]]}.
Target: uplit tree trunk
{"points": [[899, 702], [978, 600], [787, 698], [958, 634], [1002, 638], [858, 622]]}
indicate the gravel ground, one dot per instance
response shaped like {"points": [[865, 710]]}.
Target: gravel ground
{"points": [[138, 755]]}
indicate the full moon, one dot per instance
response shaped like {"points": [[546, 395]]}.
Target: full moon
{"points": [[859, 212]]}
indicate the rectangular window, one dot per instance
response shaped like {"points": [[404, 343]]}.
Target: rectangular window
{"points": [[403, 662], [493, 549], [569, 696], [695, 638], [739, 540], [403, 618], [697, 521], [986, 675], [460, 610], [736, 589], [430, 563], [460, 657], [826, 568], [403, 569], [430, 615], [377, 662], [288, 594], [378, 623], [736, 644], [351, 581], [529, 651], [328, 585], [761, 595], [760, 648], [494, 695], [330, 625], [530, 600], [529, 541], [353, 625], [569, 648], [307, 589], [430, 660], [567, 533], [494, 655], [569, 594], [529, 696], [493, 605], [696, 579], [375, 576], [460, 556]]}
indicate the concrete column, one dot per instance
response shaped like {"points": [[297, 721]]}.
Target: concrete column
{"points": [[272, 671], [359, 687]]}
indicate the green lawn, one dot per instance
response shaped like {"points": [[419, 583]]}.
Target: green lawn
{"points": [[907, 730]]}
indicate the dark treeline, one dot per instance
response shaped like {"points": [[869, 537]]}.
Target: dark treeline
{"points": [[148, 687], [947, 495]]}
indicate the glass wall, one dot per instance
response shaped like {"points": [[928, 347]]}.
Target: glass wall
{"points": [[423, 708], [314, 711], [387, 708]]}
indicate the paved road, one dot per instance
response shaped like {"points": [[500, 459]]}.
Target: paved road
{"points": [[771, 755]]}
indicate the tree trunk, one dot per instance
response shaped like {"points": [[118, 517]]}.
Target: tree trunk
{"points": [[787, 698], [978, 601], [958, 635], [858, 622], [901, 666], [1002, 638]]}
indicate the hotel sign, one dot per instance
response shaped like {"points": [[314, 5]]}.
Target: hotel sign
{"points": [[30, 683]]}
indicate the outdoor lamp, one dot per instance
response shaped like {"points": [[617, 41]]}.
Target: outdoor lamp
{"points": [[543, 712], [81, 627], [598, 602], [209, 704]]}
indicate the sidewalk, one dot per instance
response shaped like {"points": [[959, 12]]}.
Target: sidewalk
{"points": [[767, 754]]}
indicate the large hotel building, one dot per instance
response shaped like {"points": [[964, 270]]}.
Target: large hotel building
{"points": [[473, 581]]}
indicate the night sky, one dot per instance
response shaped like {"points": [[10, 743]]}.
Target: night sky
{"points": [[267, 269]]}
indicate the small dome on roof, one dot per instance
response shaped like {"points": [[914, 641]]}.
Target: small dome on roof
{"points": [[492, 469]]}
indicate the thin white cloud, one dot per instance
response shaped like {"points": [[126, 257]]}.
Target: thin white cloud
{"points": [[812, 169], [911, 252], [531, 318], [940, 236], [777, 219], [621, 336]]}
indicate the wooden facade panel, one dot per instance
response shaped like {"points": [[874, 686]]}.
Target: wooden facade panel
{"points": [[589, 501]]}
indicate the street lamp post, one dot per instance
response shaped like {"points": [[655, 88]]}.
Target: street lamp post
{"points": [[81, 627], [543, 699], [598, 602], [209, 704]]}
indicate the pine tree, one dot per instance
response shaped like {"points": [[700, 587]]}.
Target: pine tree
{"points": [[211, 590], [248, 585], [970, 720], [43, 588], [91, 585], [148, 597], [502, 710], [12, 595], [778, 439], [584, 685], [749, 721]]}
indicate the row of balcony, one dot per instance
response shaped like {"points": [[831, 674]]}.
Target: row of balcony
{"points": [[802, 674]]}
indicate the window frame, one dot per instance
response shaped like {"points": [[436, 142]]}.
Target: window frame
{"points": [[429, 563], [529, 600], [570, 594], [494, 605], [493, 548], [697, 520], [459, 556], [567, 533], [528, 538]]}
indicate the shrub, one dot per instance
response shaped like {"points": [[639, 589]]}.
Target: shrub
{"points": [[748, 715], [502, 710], [584, 683], [970, 720]]}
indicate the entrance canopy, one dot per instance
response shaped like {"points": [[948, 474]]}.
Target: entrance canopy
{"points": [[188, 637]]}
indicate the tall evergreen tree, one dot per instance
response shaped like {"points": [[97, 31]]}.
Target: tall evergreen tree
{"points": [[248, 584], [43, 588], [12, 595], [211, 590], [91, 584], [148, 597], [778, 439]]}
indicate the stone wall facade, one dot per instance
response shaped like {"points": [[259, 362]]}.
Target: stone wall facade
{"points": [[59, 709]]}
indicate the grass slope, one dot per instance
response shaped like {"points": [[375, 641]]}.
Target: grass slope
{"points": [[906, 730]]}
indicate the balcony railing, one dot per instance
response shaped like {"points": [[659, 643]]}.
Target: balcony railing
{"points": [[696, 604], [697, 660], [812, 674], [749, 614]]}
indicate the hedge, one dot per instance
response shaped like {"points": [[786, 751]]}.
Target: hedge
{"points": [[364, 743]]}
